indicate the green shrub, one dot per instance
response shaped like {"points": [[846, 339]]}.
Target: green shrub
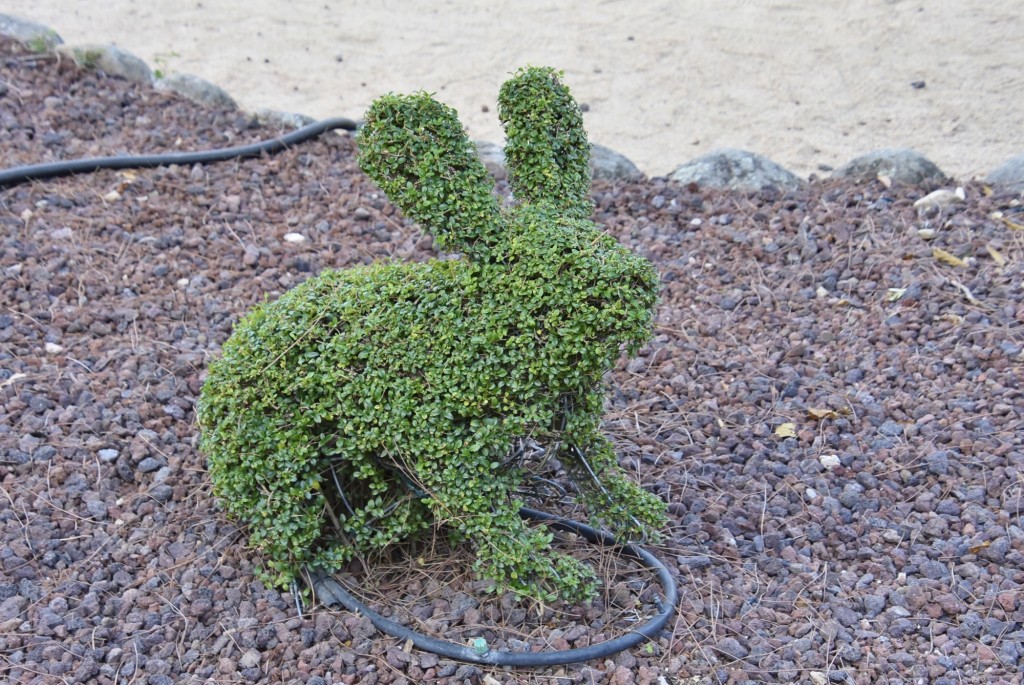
{"points": [[410, 384]]}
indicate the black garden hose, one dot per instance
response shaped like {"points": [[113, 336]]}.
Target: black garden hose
{"points": [[330, 592], [35, 172]]}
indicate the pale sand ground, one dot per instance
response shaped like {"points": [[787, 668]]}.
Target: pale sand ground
{"points": [[805, 83]]}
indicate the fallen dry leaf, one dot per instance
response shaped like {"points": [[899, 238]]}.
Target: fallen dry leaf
{"points": [[1012, 225], [786, 430], [967, 293], [819, 414], [894, 294], [997, 256], [946, 258]]}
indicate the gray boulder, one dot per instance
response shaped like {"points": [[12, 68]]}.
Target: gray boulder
{"points": [[109, 59], [272, 117], [36, 36], [605, 163], [731, 169], [197, 90], [609, 165], [493, 157], [901, 165], [1008, 175]]}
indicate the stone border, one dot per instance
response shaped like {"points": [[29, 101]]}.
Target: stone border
{"points": [[726, 169]]}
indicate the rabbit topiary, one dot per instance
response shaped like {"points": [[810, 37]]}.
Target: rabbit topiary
{"points": [[368, 403]]}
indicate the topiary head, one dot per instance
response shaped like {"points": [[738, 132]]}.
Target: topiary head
{"points": [[583, 285]]}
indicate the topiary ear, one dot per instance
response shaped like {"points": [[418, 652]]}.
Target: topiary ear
{"points": [[546, 150], [416, 150]]}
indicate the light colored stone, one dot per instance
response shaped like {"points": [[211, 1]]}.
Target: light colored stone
{"points": [[493, 157], [732, 169], [934, 203], [605, 163], [829, 461], [940, 199], [272, 117], [35, 36], [250, 659], [109, 59], [900, 165], [197, 90], [608, 164], [1009, 175]]}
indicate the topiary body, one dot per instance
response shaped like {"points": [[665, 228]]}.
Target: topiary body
{"points": [[410, 384]]}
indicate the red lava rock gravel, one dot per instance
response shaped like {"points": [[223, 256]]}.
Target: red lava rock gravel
{"points": [[831, 408]]}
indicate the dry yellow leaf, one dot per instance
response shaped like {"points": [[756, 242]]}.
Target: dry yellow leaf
{"points": [[967, 293], [1012, 225], [819, 414], [997, 256], [894, 294], [986, 191], [946, 258], [786, 430]]}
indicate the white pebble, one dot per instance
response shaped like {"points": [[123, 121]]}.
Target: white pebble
{"points": [[943, 197], [250, 659], [829, 461], [294, 237], [53, 348]]}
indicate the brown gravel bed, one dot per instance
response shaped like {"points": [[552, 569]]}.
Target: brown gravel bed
{"points": [[832, 410]]}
